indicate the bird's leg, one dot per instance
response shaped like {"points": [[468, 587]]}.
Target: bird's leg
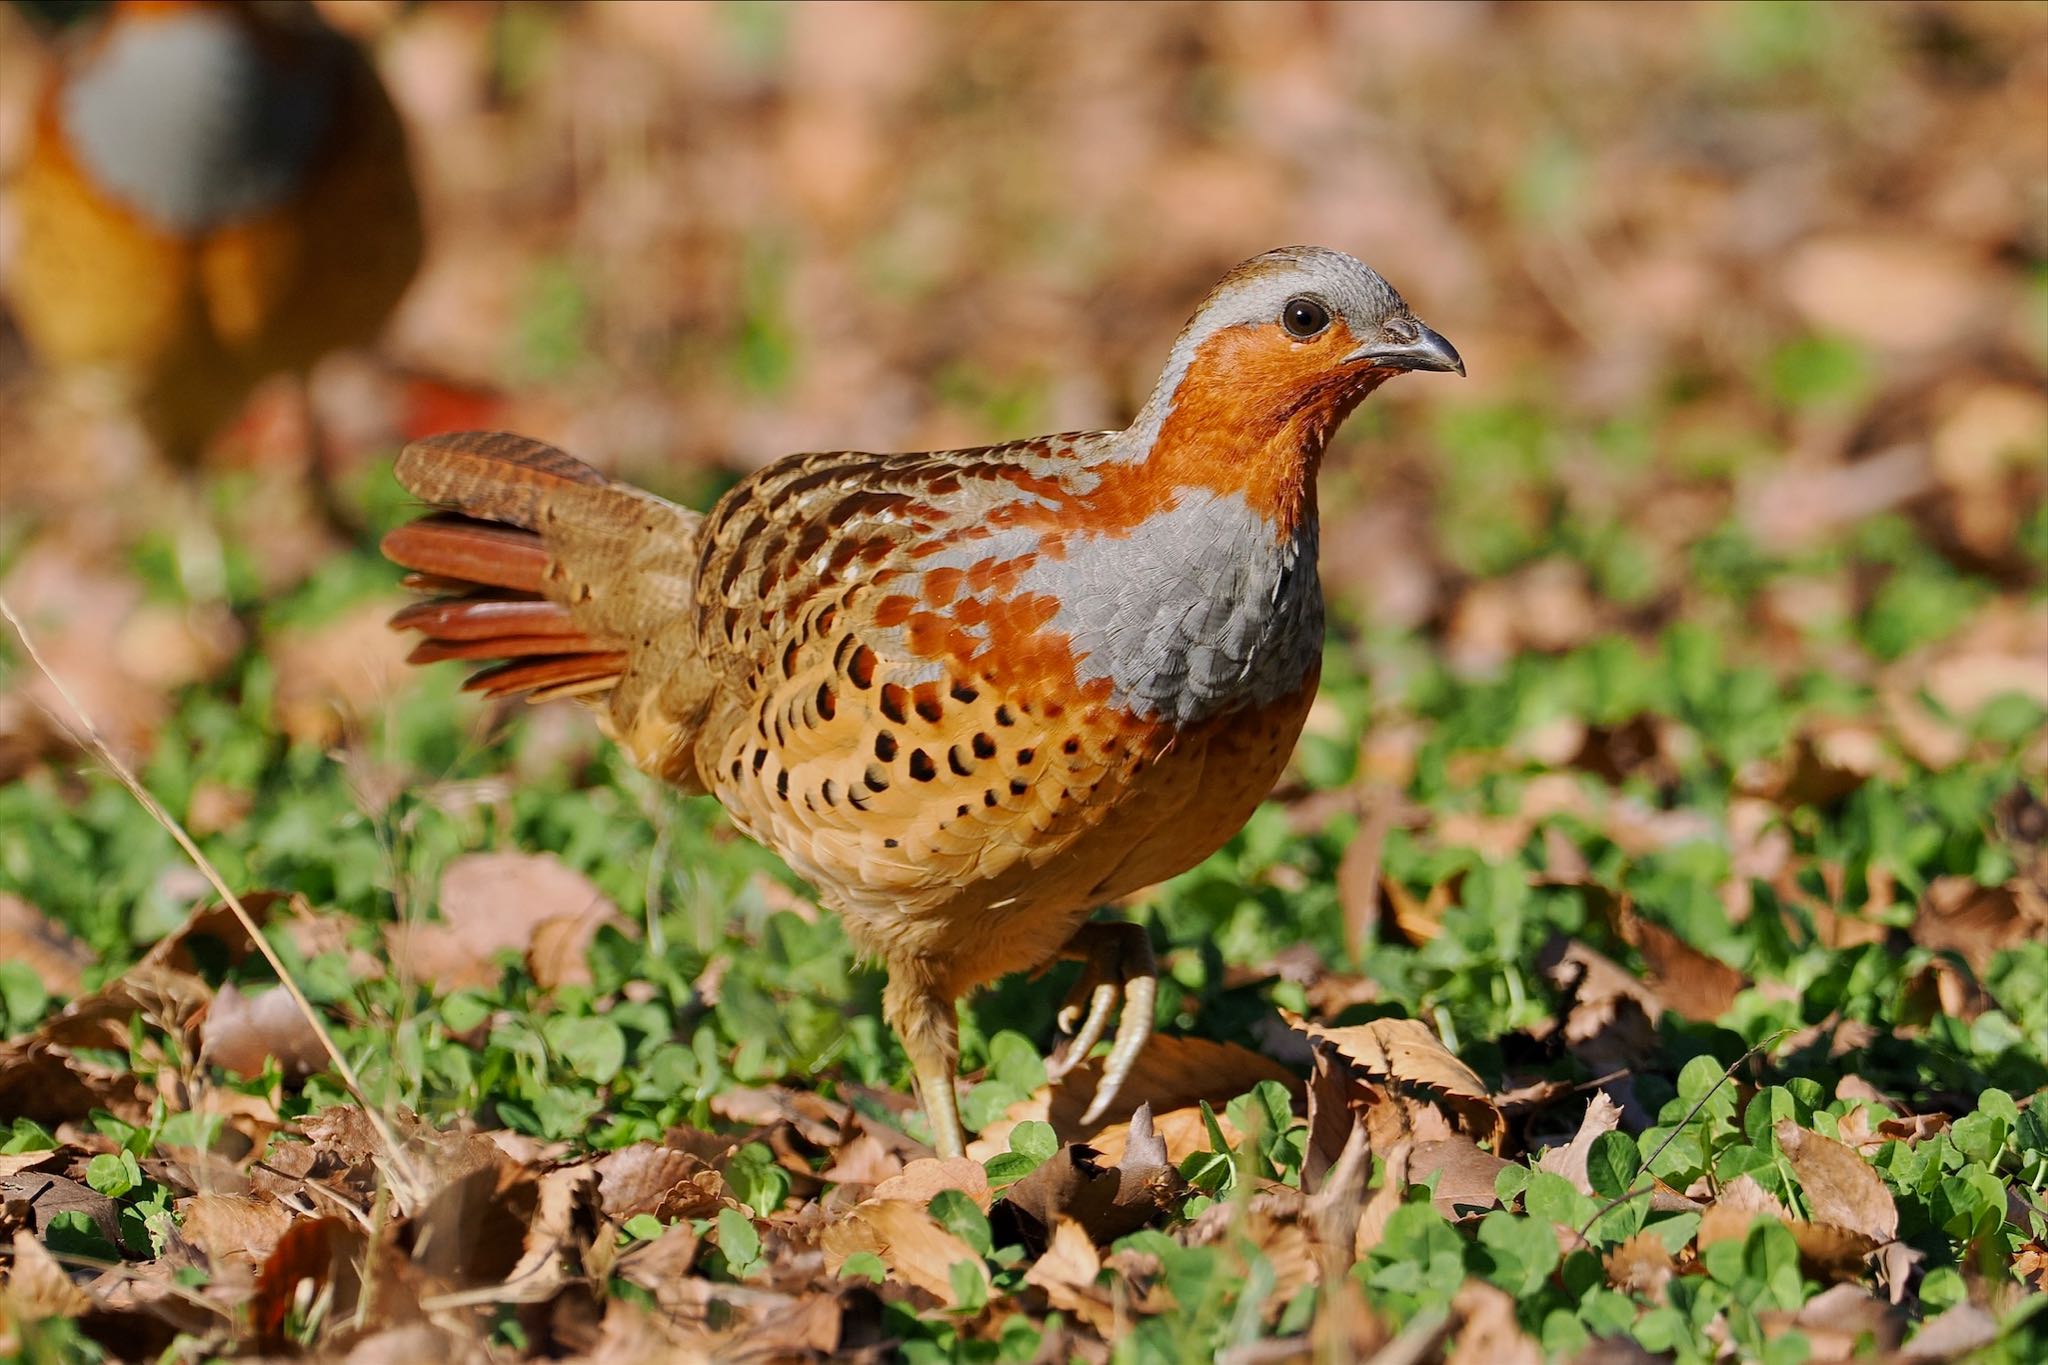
{"points": [[1119, 963], [926, 1019]]}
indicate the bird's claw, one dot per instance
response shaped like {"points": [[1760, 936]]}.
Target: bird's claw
{"points": [[1120, 967]]}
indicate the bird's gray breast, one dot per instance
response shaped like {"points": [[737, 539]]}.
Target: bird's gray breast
{"points": [[1199, 610], [185, 121]]}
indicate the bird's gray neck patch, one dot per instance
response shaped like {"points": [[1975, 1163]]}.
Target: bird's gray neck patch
{"points": [[1197, 611], [185, 121]]}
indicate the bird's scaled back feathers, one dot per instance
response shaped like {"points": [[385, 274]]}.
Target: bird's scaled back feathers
{"points": [[210, 194], [969, 694]]}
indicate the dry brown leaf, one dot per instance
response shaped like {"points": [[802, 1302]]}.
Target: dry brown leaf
{"points": [[1173, 1074], [1402, 1055], [1975, 921], [14, 1163], [862, 1159], [1841, 1322], [920, 1181], [41, 1197], [47, 948], [1840, 1187], [336, 673], [1487, 1332], [1957, 1332], [1695, 985], [1419, 921], [1393, 1187], [1107, 1201], [1603, 1115], [564, 1239], [1067, 1271], [2030, 1264], [642, 1177], [909, 1241], [241, 1033], [233, 1228], [494, 903], [658, 1265], [37, 1286], [1466, 1176], [472, 1230], [315, 1256], [1640, 1265]]}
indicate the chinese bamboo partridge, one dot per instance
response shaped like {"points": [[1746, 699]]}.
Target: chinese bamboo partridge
{"points": [[970, 695], [210, 194]]}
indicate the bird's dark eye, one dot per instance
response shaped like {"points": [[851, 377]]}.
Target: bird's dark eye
{"points": [[1303, 318]]}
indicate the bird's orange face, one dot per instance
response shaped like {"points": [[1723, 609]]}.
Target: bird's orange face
{"points": [[1274, 362]]}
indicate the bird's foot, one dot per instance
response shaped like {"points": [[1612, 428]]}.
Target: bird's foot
{"points": [[1120, 965]]}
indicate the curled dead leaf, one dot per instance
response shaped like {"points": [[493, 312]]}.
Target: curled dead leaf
{"points": [[1107, 1201], [1401, 1060], [1603, 1115]]}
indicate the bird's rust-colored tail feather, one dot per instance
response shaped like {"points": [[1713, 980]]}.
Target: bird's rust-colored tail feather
{"points": [[490, 570]]}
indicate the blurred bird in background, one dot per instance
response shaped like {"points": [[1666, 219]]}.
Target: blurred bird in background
{"points": [[210, 194]]}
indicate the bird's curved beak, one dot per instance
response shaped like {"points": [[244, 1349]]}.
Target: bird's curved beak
{"points": [[1429, 351]]}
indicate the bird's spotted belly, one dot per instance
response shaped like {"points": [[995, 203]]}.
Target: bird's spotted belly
{"points": [[979, 833]]}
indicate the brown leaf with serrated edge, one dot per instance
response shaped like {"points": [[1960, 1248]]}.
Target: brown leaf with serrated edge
{"points": [[633, 1179], [1403, 1056], [1840, 1187], [321, 1254], [1603, 1115], [562, 1240]]}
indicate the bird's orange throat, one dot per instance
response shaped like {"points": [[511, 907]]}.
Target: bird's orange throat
{"points": [[1253, 414]]}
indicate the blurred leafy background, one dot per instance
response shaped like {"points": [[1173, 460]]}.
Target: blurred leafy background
{"points": [[1714, 594]]}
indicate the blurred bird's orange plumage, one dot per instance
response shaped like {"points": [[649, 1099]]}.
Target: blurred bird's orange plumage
{"points": [[970, 694], [210, 194]]}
